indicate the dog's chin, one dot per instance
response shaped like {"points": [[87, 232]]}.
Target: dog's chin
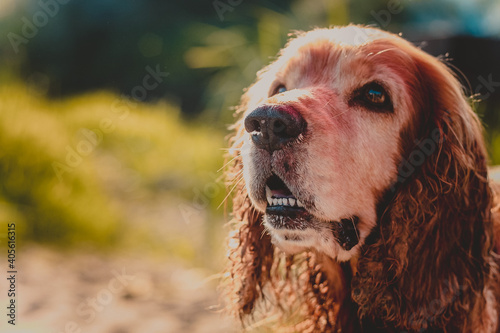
{"points": [[295, 230]]}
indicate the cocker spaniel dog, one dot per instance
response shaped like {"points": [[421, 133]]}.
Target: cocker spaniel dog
{"points": [[362, 201]]}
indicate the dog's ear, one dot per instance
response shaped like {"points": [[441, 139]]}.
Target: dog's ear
{"points": [[251, 257], [426, 263]]}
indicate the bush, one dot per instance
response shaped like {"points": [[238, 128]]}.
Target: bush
{"points": [[70, 169]]}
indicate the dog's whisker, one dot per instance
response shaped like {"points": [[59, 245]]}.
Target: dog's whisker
{"points": [[227, 163], [355, 229], [231, 149], [383, 51], [327, 103], [230, 191], [339, 114], [236, 177]]}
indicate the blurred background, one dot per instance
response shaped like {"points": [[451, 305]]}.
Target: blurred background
{"points": [[113, 118]]}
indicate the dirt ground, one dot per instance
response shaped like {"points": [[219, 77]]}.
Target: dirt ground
{"points": [[85, 293]]}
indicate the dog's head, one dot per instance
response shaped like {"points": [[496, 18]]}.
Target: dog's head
{"points": [[356, 144], [327, 126]]}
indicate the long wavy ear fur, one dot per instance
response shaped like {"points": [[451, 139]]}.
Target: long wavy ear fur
{"points": [[427, 263]]}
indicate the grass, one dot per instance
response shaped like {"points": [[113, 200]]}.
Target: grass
{"points": [[102, 170]]}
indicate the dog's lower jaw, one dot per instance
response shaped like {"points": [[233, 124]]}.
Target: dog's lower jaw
{"points": [[321, 240]]}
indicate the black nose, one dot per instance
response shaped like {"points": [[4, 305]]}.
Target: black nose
{"points": [[272, 127]]}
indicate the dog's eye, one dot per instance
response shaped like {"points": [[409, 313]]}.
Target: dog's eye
{"points": [[374, 97], [279, 89]]}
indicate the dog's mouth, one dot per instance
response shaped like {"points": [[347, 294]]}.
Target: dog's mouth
{"points": [[287, 214], [284, 210], [281, 201]]}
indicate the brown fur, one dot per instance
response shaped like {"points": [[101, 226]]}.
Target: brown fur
{"points": [[429, 262]]}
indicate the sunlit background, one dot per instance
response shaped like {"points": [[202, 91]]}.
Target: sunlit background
{"points": [[113, 118]]}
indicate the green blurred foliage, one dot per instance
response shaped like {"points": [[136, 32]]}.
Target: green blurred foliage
{"points": [[211, 52], [96, 169]]}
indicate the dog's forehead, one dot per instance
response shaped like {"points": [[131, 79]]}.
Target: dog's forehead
{"points": [[346, 41], [327, 55], [323, 61]]}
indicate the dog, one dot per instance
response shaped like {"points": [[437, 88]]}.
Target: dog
{"points": [[362, 199]]}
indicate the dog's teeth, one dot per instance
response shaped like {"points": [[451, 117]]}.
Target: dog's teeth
{"points": [[291, 202], [269, 193]]}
